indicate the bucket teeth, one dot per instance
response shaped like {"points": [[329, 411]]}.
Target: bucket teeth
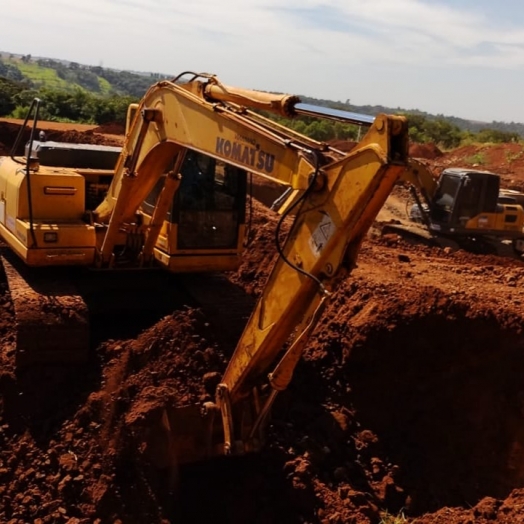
{"points": [[52, 322]]}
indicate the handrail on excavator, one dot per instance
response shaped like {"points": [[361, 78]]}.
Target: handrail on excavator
{"points": [[337, 115]]}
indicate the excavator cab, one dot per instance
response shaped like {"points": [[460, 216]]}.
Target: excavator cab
{"points": [[206, 215], [462, 195], [467, 201]]}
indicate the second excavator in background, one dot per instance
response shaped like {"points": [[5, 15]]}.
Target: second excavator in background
{"points": [[465, 206]]}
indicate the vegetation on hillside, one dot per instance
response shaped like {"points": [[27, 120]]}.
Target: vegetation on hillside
{"points": [[461, 123], [73, 106], [69, 91], [421, 130], [92, 94]]}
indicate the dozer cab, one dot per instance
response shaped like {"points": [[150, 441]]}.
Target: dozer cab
{"points": [[175, 201]]}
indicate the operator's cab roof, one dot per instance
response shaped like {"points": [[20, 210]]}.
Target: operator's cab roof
{"points": [[464, 171], [73, 155]]}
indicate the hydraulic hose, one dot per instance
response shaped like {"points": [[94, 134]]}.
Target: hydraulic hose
{"points": [[283, 217]]}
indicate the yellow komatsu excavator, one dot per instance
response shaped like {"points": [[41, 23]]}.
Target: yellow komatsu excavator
{"points": [[176, 200]]}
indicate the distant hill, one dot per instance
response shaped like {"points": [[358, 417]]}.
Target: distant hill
{"points": [[58, 74], [39, 72]]}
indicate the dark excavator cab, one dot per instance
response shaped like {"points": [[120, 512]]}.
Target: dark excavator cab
{"points": [[462, 195], [78, 156]]}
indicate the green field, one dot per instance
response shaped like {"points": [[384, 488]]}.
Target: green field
{"points": [[41, 76]]}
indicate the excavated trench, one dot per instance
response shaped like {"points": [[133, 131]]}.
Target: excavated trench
{"points": [[412, 413], [405, 400], [445, 397]]}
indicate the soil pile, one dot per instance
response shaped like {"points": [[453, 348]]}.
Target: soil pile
{"points": [[418, 354], [8, 134], [111, 128], [506, 160], [57, 132], [79, 137], [428, 151]]}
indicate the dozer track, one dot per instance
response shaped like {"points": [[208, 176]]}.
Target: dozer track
{"points": [[52, 321]]}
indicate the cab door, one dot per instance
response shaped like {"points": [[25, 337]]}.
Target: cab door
{"points": [[210, 204]]}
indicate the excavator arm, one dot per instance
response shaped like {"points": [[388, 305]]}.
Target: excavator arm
{"points": [[335, 198], [321, 249], [421, 178]]}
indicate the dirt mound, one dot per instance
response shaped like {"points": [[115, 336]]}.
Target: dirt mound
{"points": [[428, 151], [78, 137], [9, 132], [71, 457], [506, 160], [112, 128], [384, 412]]}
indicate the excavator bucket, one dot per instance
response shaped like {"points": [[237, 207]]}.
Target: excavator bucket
{"points": [[177, 435]]}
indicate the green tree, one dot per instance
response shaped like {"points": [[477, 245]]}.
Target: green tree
{"points": [[345, 131], [496, 136], [320, 130], [111, 109], [8, 90], [439, 131], [11, 72]]}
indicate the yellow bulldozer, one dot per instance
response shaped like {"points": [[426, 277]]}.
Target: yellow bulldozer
{"points": [[176, 201]]}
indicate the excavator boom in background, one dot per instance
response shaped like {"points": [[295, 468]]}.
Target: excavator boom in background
{"points": [[176, 200]]}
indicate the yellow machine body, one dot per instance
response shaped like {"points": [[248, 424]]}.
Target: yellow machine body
{"points": [[46, 228]]}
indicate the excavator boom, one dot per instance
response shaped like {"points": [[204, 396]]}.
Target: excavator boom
{"points": [[333, 213], [321, 248]]}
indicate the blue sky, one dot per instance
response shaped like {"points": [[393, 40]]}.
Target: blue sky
{"points": [[463, 58]]}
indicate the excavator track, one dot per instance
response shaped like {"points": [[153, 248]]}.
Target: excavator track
{"points": [[51, 318], [59, 312]]}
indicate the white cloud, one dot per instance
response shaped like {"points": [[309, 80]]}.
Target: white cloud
{"points": [[320, 49]]}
